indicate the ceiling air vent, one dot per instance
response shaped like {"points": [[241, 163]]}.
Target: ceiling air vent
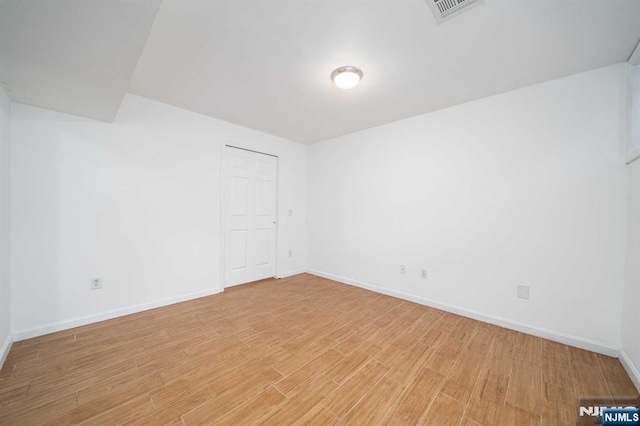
{"points": [[445, 9]]}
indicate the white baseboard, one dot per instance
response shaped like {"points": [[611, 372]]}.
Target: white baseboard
{"points": [[4, 350], [631, 369], [556, 336], [633, 156], [292, 273], [106, 315]]}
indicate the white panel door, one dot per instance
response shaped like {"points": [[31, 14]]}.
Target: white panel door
{"points": [[250, 216]]}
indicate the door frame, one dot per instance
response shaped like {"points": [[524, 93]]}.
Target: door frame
{"points": [[223, 202]]}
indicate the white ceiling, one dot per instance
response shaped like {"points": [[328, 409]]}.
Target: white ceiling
{"points": [[265, 64], [75, 56]]}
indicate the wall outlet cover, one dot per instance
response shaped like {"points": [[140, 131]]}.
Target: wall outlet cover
{"points": [[96, 283], [522, 292]]}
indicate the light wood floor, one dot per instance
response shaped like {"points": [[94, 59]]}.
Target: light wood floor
{"points": [[301, 350]]}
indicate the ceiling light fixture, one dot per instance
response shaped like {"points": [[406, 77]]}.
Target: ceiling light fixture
{"points": [[346, 77]]}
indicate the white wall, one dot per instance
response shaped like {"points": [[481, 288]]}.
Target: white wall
{"points": [[630, 348], [527, 187], [5, 291], [136, 202], [631, 318], [633, 146]]}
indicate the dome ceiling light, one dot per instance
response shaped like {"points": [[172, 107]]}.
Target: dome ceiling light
{"points": [[346, 77]]}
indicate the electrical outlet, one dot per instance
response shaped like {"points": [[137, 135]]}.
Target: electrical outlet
{"points": [[403, 269], [423, 274], [96, 283], [522, 292]]}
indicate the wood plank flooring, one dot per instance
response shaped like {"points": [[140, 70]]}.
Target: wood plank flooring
{"points": [[303, 350]]}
